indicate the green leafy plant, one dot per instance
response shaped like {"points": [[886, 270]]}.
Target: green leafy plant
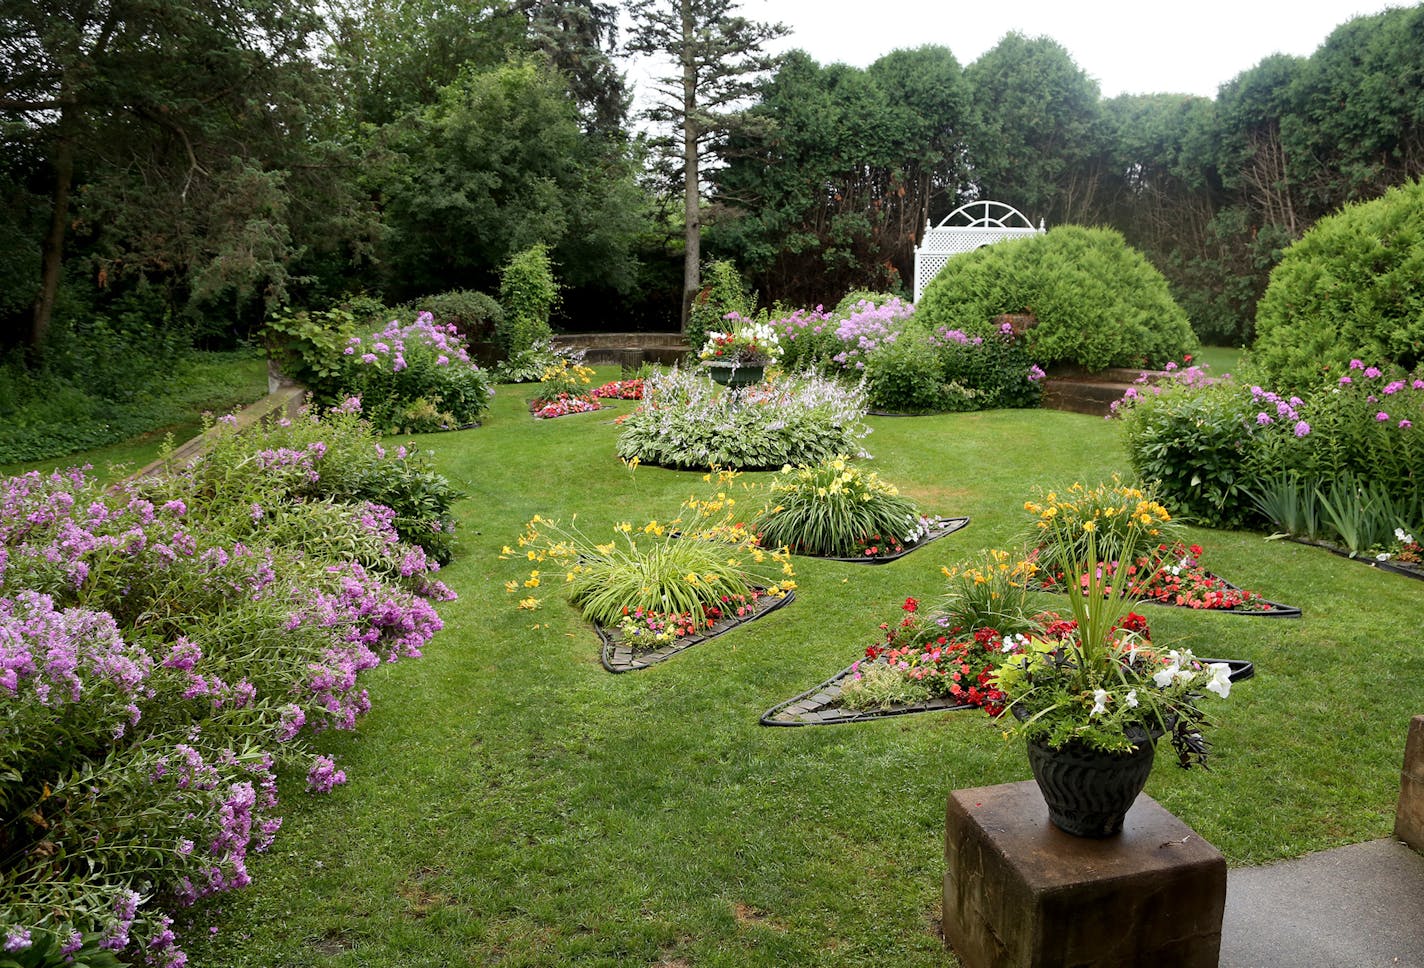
{"points": [[686, 421], [834, 509], [903, 376], [686, 570]]}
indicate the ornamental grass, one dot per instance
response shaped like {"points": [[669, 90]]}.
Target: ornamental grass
{"points": [[837, 510]]}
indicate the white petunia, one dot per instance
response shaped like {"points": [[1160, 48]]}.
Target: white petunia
{"points": [[1163, 677], [1100, 698], [1220, 679], [1132, 699]]}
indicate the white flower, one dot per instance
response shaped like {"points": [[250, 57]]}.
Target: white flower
{"points": [[1382, 556], [1100, 698], [1220, 679], [1163, 677], [1403, 536], [1132, 699]]}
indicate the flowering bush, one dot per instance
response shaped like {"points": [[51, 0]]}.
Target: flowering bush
{"points": [[685, 421], [908, 367], [660, 581], [165, 649], [414, 378], [836, 510], [1220, 446]]}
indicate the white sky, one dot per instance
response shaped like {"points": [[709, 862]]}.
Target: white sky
{"points": [[1139, 47]]}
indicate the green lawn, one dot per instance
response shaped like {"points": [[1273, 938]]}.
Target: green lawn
{"points": [[216, 382], [512, 803]]}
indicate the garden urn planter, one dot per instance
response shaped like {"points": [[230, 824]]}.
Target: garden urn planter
{"points": [[1089, 792], [735, 374]]}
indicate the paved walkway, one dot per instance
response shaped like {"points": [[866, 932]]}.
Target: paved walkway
{"points": [[1360, 906]]}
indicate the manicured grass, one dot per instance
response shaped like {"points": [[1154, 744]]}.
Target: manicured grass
{"points": [[511, 802], [1219, 360], [216, 382]]}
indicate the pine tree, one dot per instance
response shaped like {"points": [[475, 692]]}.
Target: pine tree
{"points": [[719, 64]]}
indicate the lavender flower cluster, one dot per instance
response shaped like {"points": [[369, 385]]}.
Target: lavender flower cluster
{"points": [[161, 660]]}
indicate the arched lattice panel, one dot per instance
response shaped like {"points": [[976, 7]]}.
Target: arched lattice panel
{"points": [[971, 226]]}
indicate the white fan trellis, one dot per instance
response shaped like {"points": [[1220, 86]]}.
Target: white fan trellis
{"points": [[967, 228]]}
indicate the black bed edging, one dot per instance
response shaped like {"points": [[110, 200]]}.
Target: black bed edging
{"points": [[815, 706], [1409, 571], [939, 528], [618, 658]]}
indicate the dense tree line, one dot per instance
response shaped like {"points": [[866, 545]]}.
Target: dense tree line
{"points": [[201, 163]]}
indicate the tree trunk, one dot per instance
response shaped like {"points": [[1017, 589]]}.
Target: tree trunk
{"points": [[52, 253], [692, 208]]}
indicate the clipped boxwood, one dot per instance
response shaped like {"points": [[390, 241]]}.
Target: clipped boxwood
{"points": [[1099, 302], [1351, 288]]}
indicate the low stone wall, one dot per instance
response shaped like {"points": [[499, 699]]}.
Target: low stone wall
{"points": [[1409, 814], [629, 350]]}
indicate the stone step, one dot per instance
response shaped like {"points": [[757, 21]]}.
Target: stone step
{"points": [[1082, 396], [1113, 374]]}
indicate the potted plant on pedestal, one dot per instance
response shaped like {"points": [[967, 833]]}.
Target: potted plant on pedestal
{"points": [[1091, 693]]}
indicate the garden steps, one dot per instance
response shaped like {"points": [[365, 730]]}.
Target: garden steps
{"points": [[1091, 391], [629, 350]]}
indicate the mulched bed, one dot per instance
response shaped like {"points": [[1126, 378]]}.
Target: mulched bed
{"points": [[939, 527], [818, 706], [1398, 567], [1262, 608], [618, 657]]}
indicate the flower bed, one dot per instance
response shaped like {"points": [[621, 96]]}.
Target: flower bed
{"points": [[882, 551], [653, 591], [1173, 575], [563, 405], [621, 390], [644, 639], [686, 421]]}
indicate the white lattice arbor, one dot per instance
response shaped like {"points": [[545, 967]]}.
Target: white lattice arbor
{"points": [[968, 227]]}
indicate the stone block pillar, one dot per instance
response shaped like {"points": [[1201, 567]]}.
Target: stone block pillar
{"points": [[1020, 893]]}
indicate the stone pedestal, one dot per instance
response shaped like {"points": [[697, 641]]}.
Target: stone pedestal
{"points": [[1409, 815], [1020, 892]]}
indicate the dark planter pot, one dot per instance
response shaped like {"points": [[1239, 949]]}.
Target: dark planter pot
{"points": [[1089, 792], [742, 375]]}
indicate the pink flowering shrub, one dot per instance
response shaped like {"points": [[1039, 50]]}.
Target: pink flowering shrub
{"points": [[166, 649], [411, 378], [1228, 452]]}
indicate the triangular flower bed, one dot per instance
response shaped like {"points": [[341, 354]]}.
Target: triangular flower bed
{"points": [[620, 657], [820, 706], [938, 528]]}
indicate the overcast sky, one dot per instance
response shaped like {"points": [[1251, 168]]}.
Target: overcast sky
{"points": [[1140, 47]]}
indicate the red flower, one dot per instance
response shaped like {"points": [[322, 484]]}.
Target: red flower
{"points": [[910, 605]]}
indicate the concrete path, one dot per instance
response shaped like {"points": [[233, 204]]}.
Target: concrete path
{"points": [[1360, 906]]}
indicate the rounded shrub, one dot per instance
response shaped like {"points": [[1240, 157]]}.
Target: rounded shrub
{"points": [[902, 375], [1098, 302], [1351, 288], [475, 315]]}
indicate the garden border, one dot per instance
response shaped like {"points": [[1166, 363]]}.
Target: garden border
{"points": [[619, 658], [949, 525], [814, 706], [1389, 566]]}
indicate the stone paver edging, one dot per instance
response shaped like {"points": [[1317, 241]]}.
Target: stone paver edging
{"points": [[618, 657]]}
